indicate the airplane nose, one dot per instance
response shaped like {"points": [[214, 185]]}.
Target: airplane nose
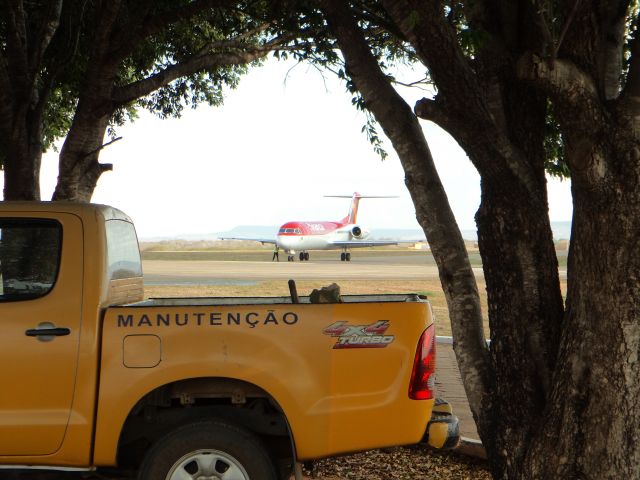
{"points": [[288, 242], [284, 241]]}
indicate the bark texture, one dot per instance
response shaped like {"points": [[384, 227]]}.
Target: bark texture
{"points": [[564, 403], [593, 410], [24, 89], [499, 122]]}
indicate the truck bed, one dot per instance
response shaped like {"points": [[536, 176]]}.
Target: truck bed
{"points": [[330, 368], [211, 301]]}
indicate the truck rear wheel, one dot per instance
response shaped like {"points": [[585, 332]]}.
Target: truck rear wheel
{"points": [[208, 450]]}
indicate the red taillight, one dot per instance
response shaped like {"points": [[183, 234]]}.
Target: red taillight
{"points": [[423, 377]]}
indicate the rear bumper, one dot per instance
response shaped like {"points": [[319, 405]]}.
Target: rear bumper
{"points": [[442, 430]]}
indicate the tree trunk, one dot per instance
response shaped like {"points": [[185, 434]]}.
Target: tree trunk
{"points": [[25, 84], [523, 287], [592, 428], [79, 169], [432, 207], [23, 159], [500, 124], [523, 293]]}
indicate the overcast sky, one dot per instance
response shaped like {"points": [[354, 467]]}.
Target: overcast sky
{"points": [[283, 139]]}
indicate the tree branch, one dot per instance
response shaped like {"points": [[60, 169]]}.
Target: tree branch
{"points": [[428, 109], [128, 93], [17, 62], [100, 148], [48, 26], [361, 12], [5, 84], [139, 32], [564, 82], [572, 15], [70, 47], [460, 92], [105, 18]]}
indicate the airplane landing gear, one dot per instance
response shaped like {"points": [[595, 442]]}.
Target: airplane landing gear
{"points": [[290, 258], [304, 256], [345, 257]]}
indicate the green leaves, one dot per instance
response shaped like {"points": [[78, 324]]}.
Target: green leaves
{"points": [[369, 129], [555, 163]]}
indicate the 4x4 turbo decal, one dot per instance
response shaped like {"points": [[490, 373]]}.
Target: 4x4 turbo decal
{"points": [[360, 336]]}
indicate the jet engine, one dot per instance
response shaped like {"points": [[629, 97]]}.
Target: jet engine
{"points": [[357, 232]]}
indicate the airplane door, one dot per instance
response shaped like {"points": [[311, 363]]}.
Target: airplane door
{"points": [[41, 263]]}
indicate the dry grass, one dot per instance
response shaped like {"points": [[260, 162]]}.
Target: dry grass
{"points": [[430, 288]]}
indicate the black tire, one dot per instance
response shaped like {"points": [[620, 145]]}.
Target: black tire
{"points": [[306, 256], [342, 255], [209, 447], [347, 257]]}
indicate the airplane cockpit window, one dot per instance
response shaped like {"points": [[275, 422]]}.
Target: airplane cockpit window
{"points": [[282, 230], [298, 231], [289, 230]]}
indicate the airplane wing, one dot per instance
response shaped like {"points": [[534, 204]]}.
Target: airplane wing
{"points": [[370, 243], [271, 241], [361, 243]]}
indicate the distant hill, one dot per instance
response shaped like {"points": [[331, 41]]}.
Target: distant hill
{"points": [[561, 231]]}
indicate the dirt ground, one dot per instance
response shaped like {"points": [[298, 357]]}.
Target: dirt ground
{"points": [[406, 463]]}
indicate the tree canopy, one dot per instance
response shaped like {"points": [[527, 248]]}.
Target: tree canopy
{"points": [[75, 69]]}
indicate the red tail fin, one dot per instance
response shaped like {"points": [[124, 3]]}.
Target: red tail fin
{"points": [[355, 201], [353, 209]]}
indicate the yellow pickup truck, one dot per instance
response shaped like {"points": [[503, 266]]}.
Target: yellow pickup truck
{"points": [[92, 375]]}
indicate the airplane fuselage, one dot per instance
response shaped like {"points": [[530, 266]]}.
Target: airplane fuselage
{"points": [[342, 235], [303, 236]]}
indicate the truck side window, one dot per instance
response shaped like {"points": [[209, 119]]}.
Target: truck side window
{"points": [[123, 254], [29, 257]]}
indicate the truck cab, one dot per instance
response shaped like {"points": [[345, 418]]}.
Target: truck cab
{"points": [[96, 376]]}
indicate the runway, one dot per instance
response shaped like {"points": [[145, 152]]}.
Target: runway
{"points": [[171, 272], [213, 268]]}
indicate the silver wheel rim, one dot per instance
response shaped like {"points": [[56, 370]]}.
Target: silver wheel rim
{"points": [[207, 465]]}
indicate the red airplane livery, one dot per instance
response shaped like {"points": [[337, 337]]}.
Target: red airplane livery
{"points": [[342, 235]]}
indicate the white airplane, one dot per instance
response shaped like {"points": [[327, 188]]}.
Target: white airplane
{"points": [[341, 235]]}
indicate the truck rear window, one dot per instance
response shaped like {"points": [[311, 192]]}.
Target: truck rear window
{"points": [[123, 254], [29, 257]]}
